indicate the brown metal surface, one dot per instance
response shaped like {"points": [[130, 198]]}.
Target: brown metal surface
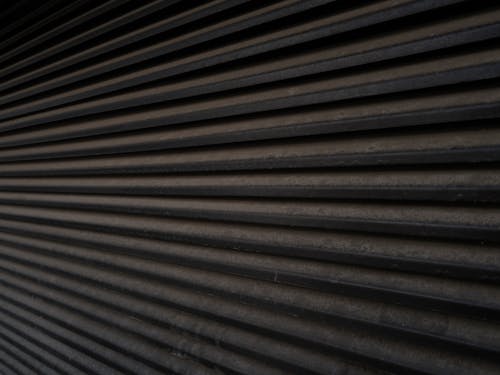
{"points": [[250, 187]]}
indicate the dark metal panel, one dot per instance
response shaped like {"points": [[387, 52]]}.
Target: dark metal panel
{"points": [[409, 40], [223, 28], [227, 186], [43, 38]]}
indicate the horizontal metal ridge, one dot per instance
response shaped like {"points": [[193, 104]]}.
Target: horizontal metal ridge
{"points": [[14, 363], [26, 356], [169, 293], [219, 356], [451, 259], [92, 13], [58, 363], [99, 358], [471, 27], [467, 184], [466, 144], [250, 187], [442, 70], [282, 270], [374, 113], [320, 28], [250, 19], [47, 12], [41, 338], [470, 300], [465, 222], [226, 335]]}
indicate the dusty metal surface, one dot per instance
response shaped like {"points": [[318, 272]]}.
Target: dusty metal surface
{"points": [[250, 187]]}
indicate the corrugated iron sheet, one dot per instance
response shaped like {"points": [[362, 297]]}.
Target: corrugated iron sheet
{"points": [[250, 187]]}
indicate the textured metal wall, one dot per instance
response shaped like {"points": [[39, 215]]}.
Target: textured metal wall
{"points": [[250, 187]]}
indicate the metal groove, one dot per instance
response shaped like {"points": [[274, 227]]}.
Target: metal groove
{"points": [[239, 187]]}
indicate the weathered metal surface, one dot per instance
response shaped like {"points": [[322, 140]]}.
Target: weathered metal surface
{"points": [[250, 187]]}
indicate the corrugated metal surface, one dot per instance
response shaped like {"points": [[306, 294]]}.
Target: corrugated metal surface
{"points": [[251, 187]]}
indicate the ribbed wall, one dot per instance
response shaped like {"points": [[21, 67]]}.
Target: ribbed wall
{"points": [[250, 187]]}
